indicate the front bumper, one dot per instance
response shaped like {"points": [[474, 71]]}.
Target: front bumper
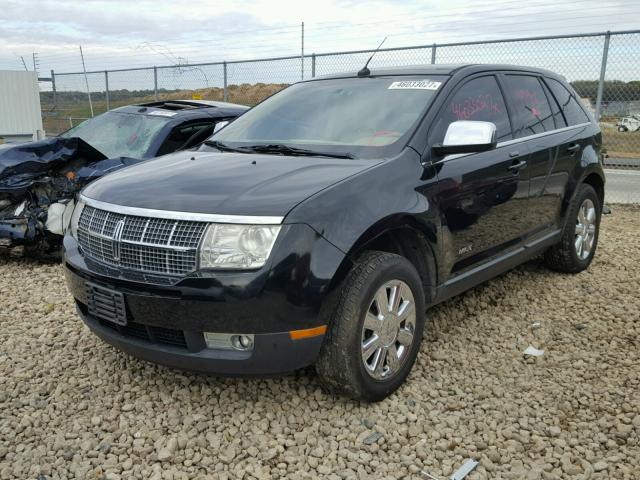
{"points": [[273, 353], [165, 323]]}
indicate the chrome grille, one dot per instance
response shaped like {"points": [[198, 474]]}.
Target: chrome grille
{"points": [[144, 244]]}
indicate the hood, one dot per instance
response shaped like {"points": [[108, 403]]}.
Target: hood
{"points": [[34, 158], [67, 164], [223, 183]]}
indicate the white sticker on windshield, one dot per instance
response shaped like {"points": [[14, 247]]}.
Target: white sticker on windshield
{"points": [[415, 84], [162, 113]]}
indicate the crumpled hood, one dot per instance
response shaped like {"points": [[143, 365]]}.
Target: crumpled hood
{"points": [[48, 161], [34, 158], [223, 183]]}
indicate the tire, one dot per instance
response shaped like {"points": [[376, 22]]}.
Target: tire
{"points": [[622, 129], [566, 256], [341, 365]]}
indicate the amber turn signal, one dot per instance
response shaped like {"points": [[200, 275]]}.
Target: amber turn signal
{"points": [[307, 333]]}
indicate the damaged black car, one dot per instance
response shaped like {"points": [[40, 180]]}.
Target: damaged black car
{"points": [[39, 180]]}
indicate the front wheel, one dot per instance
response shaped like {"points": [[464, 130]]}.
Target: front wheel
{"points": [[375, 330], [622, 129], [580, 236]]}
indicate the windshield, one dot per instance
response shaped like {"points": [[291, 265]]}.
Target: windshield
{"points": [[118, 134], [362, 117]]}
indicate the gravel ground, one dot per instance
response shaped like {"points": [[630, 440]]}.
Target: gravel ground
{"points": [[73, 407]]}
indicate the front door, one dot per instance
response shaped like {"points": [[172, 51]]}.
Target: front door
{"points": [[482, 196]]}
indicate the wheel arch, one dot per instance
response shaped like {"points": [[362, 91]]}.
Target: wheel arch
{"points": [[597, 182], [402, 235]]}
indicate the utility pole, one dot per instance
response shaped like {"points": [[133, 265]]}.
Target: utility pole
{"points": [[302, 55], [86, 81]]}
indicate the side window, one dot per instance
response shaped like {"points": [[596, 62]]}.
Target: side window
{"points": [[180, 135], [556, 111], [571, 108], [479, 99], [531, 110]]}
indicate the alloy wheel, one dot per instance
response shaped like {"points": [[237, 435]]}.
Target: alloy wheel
{"points": [[388, 330], [585, 229]]}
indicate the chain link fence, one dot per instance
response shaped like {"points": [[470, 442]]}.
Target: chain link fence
{"points": [[604, 68]]}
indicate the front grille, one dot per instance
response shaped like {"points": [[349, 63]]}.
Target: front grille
{"points": [[143, 244]]}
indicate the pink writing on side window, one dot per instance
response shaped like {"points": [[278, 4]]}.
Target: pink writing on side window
{"points": [[471, 106]]}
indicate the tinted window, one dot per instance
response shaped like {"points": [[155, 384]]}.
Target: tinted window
{"points": [[531, 110], [479, 99], [572, 110], [558, 117], [182, 134]]}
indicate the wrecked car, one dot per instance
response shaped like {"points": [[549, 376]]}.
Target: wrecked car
{"points": [[629, 124], [38, 180]]}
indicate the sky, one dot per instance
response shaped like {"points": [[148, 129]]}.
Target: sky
{"points": [[122, 34]]}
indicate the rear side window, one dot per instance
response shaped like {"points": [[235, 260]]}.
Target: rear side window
{"points": [[531, 110], [479, 99], [181, 136], [570, 106]]}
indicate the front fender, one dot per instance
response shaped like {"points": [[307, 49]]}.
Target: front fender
{"points": [[392, 195]]}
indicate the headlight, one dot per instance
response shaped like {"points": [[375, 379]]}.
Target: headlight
{"points": [[75, 218], [228, 246]]}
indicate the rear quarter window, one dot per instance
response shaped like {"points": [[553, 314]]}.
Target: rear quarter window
{"points": [[572, 110]]}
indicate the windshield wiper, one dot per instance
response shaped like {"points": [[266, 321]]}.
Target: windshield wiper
{"points": [[223, 147], [278, 148]]}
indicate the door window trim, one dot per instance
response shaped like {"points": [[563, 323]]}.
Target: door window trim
{"points": [[514, 141], [498, 76]]}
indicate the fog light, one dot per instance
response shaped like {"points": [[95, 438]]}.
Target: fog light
{"points": [[229, 341], [242, 342]]}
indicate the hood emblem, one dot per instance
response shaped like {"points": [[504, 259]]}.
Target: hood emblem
{"points": [[117, 236]]}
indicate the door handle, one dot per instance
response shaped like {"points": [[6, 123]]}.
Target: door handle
{"points": [[515, 167], [514, 154], [573, 148]]}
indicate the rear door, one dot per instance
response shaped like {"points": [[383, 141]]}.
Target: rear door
{"points": [[482, 196], [533, 122]]}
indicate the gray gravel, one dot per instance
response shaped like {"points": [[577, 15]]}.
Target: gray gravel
{"points": [[73, 407]]}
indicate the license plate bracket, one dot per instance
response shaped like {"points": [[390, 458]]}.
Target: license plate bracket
{"points": [[106, 304]]}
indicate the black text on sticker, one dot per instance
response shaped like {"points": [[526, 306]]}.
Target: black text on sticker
{"points": [[416, 84]]}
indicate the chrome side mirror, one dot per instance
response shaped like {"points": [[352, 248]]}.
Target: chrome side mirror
{"points": [[467, 136]]}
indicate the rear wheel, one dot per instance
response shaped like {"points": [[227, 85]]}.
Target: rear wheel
{"points": [[622, 128], [580, 237], [375, 330]]}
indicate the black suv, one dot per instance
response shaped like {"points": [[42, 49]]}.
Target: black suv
{"points": [[321, 225]]}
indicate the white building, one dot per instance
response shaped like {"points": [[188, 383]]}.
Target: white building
{"points": [[20, 112]]}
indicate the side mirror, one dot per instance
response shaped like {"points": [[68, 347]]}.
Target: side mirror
{"points": [[467, 136]]}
